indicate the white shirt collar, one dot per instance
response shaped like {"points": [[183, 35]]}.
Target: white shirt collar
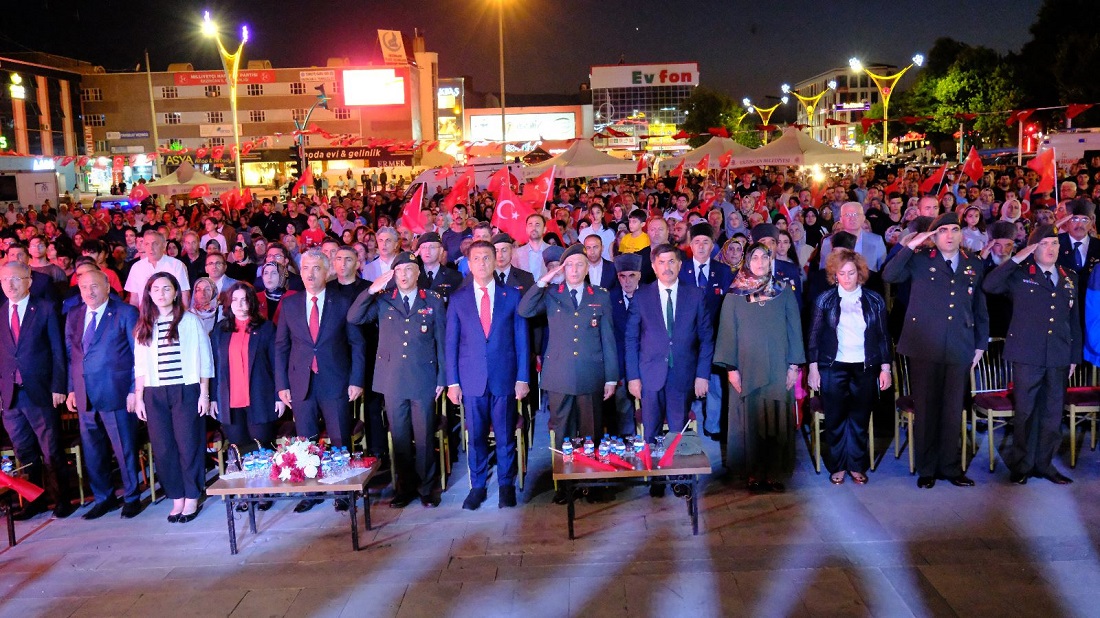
{"points": [[846, 295], [674, 287], [699, 265]]}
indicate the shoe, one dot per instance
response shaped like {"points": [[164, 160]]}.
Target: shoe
{"points": [[837, 478], [174, 518], [560, 497], [63, 509], [474, 499], [1019, 478], [131, 509], [757, 487], [960, 481], [657, 490], [926, 482], [242, 507], [776, 487], [431, 500], [400, 501], [306, 505], [29, 510], [189, 517], [858, 478], [265, 505], [1057, 478], [681, 490], [99, 509], [507, 497], [341, 504]]}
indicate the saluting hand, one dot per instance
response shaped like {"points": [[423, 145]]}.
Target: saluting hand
{"points": [[381, 282], [550, 274], [916, 241], [1022, 254]]}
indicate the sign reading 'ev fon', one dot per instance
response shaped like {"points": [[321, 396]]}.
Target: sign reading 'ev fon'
{"points": [[645, 75]]}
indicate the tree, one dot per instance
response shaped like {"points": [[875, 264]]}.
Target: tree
{"points": [[1058, 65], [707, 109]]}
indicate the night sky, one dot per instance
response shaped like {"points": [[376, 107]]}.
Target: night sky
{"points": [[743, 48]]}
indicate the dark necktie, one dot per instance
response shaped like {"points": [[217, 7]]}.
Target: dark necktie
{"points": [[431, 278], [89, 333], [702, 276], [950, 268], [1077, 254], [1050, 278], [576, 299], [669, 321], [626, 301], [500, 278], [408, 308]]}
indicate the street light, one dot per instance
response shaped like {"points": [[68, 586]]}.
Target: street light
{"points": [[231, 64], [764, 112], [809, 103], [885, 84]]}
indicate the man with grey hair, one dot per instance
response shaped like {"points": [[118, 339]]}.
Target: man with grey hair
{"points": [[868, 244], [387, 250], [155, 261]]}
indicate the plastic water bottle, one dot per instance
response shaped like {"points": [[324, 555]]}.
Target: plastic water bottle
{"points": [[639, 444], [567, 450], [605, 449], [589, 446], [620, 448], [6, 465]]}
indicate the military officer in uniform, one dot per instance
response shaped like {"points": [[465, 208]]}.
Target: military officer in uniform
{"points": [[580, 363], [433, 274], [408, 372], [944, 335], [1044, 346]]}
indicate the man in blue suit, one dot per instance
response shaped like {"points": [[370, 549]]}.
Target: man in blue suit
{"points": [[484, 330], [99, 336], [32, 385], [714, 278], [664, 375], [318, 359]]}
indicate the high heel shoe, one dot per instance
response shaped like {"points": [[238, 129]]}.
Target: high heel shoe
{"points": [[174, 517], [185, 517]]}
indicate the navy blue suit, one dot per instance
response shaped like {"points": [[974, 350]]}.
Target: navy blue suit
{"points": [[244, 426], [339, 350], [38, 361], [101, 376], [668, 371], [487, 369], [719, 280], [624, 403]]}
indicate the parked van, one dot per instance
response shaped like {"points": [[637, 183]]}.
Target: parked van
{"points": [[1072, 146]]}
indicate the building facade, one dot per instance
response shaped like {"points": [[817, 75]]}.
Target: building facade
{"points": [[641, 101], [852, 97]]}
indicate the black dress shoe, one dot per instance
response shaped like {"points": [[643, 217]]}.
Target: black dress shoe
{"points": [[306, 505], [341, 504], [507, 497], [63, 509], [560, 497], [757, 487], [1058, 478], [1019, 478], [926, 482], [960, 481], [99, 509], [131, 509], [776, 487], [400, 501], [657, 490], [189, 517], [474, 499], [29, 510], [242, 507], [431, 500], [265, 505], [174, 518]]}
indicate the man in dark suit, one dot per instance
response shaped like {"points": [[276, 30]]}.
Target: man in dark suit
{"points": [[945, 334], [505, 273], [580, 360], [408, 372], [714, 278], [629, 269], [601, 271], [41, 284], [318, 360], [99, 336], [433, 274], [667, 377], [1079, 250], [487, 371], [1044, 345], [32, 384]]}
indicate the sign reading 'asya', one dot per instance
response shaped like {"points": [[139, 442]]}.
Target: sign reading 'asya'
{"points": [[645, 75]]}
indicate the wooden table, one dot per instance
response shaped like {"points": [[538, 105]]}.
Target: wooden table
{"points": [[251, 491], [684, 469], [6, 496]]}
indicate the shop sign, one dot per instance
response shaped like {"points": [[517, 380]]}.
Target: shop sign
{"points": [[217, 78], [317, 76], [374, 157], [645, 75]]}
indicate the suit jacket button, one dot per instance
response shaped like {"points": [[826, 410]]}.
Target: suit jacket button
{"points": [[1052, 307], [403, 356], [952, 293], [950, 317], [1051, 319], [576, 353], [575, 326], [575, 340], [406, 332], [951, 306], [405, 343]]}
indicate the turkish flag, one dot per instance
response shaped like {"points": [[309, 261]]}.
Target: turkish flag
{"points": [[229, 198], [681, 135], [305, 180], [460, 193], [704, 164], [25, 489], [247, 148], [200, 191], [66, 160], [118, 161], [929, 185], [139, 193], [833, 122], [719, 131], [642, 165], [679, 169], [1074, 110], [972, 167], [1044, 165], [201, 152], [444, 172], [499, 178], [725, 160], [82, 161], [867, 122], [511, 213], [614, 133], [412, 216], [218, 152], [542, 189]]}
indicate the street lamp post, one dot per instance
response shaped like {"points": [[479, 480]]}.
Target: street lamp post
{"points": [[764, 112], [231, 63], [885, 84], [809, 103], [503, 123]]}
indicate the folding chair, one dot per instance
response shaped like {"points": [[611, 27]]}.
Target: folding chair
{"points": [[990, 387]]}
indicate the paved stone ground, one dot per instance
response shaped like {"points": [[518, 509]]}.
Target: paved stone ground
{"points": [[884, 549]]}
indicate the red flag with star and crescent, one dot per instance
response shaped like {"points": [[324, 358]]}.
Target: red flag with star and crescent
{"points": [[704, 164], [304, 181], [725, 160], [511, 213], [412, 216], [973, 167], [200, 191], [1044, 165], [139, 193], [541, 190], [498, 179]]}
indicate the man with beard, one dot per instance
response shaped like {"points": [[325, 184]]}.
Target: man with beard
{"points": [[1001, 245]]}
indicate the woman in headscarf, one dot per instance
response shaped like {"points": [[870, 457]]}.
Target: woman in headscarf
{"points": [[204, 303], [274, 276], [735, 224], [802, 248], [815, 230], [760, 343], [733, 252]]}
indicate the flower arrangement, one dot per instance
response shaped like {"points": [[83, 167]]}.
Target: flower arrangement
{"points": [[295, 460]]}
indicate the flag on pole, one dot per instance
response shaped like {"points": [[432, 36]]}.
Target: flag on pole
{"points": [[1043, 164], [704, 164], [139, 193], [973, 167], [930, 183], [412, 215], [305, 180], [511, 213], [200, 191], [725, 160]]}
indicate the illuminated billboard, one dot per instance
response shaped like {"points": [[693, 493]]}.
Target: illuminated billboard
{"points": [[370, 87], [525, 127]]}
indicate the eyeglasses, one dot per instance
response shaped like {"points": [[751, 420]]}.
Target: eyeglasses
{"points": [[15, 280], [1079, 219]]}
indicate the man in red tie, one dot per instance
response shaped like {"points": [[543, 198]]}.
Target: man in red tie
{"points": [[318, 359], [486, 332], [33, 382]]}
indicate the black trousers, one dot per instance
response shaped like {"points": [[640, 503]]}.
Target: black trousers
{"points": [[336, 413], [34, 433], [176, 432], [848, 396], [1039, 394], [937, 391], [412, 424], [244, 434], [575, 415], [375, 423]]}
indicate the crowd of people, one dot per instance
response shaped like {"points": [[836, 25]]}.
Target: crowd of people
{"points": [[722, 299]]}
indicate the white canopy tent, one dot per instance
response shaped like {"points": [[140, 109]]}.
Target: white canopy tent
{"points": [[583, 160], [796, 148], [715, 147], [185, 178]]}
